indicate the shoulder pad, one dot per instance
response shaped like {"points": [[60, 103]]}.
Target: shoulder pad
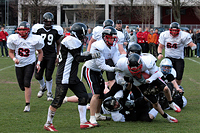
{"points": [[99, 45], [122, 63], [148, 59], [13, 38], [35, 39], [58, 28], [71, 42], [36, 27]]}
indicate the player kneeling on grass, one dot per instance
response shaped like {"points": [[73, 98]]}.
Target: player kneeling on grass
{"points": [[22, 48]]}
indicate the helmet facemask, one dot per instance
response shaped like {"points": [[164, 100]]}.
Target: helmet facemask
{"points": [[110, 40], [135, 70], [174, 31], [166, 69]]}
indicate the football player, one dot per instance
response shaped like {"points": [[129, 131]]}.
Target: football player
{"points": [[52, 35], [97, 35], [66, 77], [132, 69], [22, 48], [174, 41], [169, 75], [92, 70]]}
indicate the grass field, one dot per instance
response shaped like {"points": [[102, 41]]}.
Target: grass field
{"points": [[13, 119]]}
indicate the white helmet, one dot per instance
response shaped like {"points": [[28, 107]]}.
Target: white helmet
{"points": [[166, 63]]}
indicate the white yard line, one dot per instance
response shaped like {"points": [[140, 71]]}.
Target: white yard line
{"points": [[6, 67], [193, 60]]}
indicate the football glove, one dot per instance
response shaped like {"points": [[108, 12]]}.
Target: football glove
{"points": [[96, 55]]}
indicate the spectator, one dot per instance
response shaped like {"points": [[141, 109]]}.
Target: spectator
{"points": [[152, 37], [146, 45], [132, 36], [3, 39], [156, 41], [22, 52], [127, 29], [89, 36], [195, 32], [126, 36], [198, 43], [141, 39]]}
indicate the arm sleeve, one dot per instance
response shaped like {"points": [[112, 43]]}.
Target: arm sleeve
{"points": [[76, 54], [155, 73]]}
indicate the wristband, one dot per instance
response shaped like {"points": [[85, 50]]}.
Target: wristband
{"points": [[58, 56], [159, 53], [38, 62], [14, 59], [193, 47]]}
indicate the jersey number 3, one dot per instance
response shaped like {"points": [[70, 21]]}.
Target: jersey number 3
{"points": [[49, 38], [23, 52], [169, 45]]}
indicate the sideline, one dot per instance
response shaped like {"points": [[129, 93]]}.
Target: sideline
{"points": [[6, 67], [193, 60]]}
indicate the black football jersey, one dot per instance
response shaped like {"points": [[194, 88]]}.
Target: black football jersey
{"points": [[50, 37]]}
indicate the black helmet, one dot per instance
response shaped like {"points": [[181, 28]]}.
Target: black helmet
{"points": [[174, 29], [134, 64], [108, 22], [24, 29], [109, 35], [79, 30], [48, 17], [134, 48], [111, 104]]}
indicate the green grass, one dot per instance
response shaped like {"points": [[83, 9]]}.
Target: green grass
{"points": [[13, 119]]}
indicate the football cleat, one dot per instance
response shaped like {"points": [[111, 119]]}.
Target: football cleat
{"points": [[50, 128], [41, 92], [49, 96], [171, 119], [65, 99], [27, 108], [175, 107], [103, 118], [88, 125]]}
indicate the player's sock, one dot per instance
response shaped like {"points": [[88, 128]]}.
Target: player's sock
{"points": [[93, 119], [164, 115], [82, 113], [50, 117], [42, 83], [49, 86], [153, 112]]}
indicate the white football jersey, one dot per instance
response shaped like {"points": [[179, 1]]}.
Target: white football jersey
{"points": [[97, 33], [120, 41], [149, 66], [106, 53], [25, 48], [174, 46]]}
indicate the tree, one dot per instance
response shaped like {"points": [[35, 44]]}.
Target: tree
{"points": [[176, 6], [37, 8]]}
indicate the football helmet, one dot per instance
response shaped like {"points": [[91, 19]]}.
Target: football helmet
{"points": [[109, 36], [24, 29], [134, 48], [112, 104], [134, 64], [79, 30], [174, 29], [166, 66], [48, 20], [108, 22]]}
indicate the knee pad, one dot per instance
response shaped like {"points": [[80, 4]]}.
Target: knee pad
{"points": [[27, 84]]}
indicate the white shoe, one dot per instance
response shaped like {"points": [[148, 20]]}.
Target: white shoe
{"points": [[175, 107], [49, 96], [65, 99], [41, 92], [27, 108], [171, 119], [102, 118]]}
